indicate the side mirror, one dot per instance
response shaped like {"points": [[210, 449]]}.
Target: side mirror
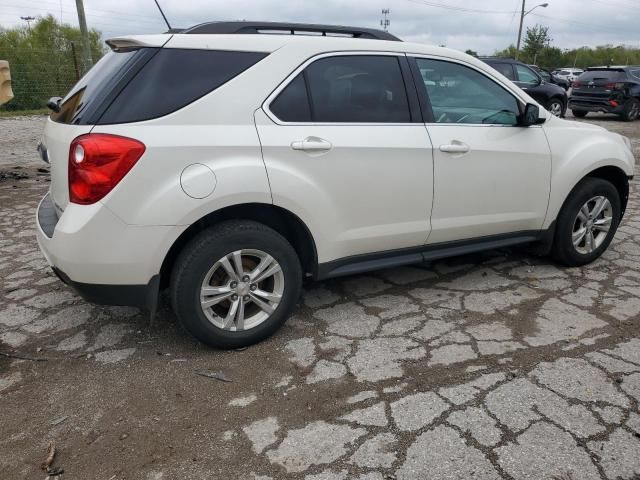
{"points": [[530, 116]]}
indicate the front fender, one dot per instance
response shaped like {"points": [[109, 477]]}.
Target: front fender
{"points": [[576, 152]]}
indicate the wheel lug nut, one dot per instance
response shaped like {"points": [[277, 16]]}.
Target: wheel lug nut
{"points": [[246, 298], [253, 287], [245, 278], [234, 297], [233, 284]]}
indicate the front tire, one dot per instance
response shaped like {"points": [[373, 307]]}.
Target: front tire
{"points": [[235, 284], [587, 222], [631, 110], [556, 107]]}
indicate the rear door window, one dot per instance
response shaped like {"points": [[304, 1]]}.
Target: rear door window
{"points": [[292, 104], [174, 78], [358, 89], [505, 69]]}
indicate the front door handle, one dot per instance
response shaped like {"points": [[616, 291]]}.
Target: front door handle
{"points": [[455, 147], [312, 144]]}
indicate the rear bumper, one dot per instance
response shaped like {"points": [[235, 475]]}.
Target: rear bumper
{"points": [[587, 104], [144, 296], [105, 260]]}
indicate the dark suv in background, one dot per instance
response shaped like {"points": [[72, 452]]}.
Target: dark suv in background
{"points": [[549, 77], [551, 96], [609, 90]]}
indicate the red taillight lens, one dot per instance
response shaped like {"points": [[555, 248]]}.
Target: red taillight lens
{"points": [[615, 86], [577, 84], [97, 162]]}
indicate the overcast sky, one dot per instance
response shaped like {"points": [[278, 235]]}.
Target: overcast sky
{"points": [[484, 26]]}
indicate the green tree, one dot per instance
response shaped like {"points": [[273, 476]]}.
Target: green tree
{"points": [[536, 40], [42, 60]]}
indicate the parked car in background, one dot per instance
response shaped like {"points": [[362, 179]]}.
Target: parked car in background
{"points": [[550, 96], [568, 74], [549, 77], [609, 90], [228, 161]]}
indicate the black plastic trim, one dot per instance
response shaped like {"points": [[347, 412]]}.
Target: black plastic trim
{"points": [[144, 296], [47, 216], [257, 27], [424, 253]]}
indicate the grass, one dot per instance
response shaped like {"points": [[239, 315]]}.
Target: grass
{"points": [[23, 113]]}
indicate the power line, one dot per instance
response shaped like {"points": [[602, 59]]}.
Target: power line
{"points": [[459, 9]]}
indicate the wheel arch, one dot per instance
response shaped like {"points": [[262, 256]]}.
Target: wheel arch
{"points": [[612, 174], [281, 220]]}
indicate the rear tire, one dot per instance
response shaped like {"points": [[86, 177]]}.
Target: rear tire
{"points": [[235, 284], [631, 110], [580, 235], [579, 113]]}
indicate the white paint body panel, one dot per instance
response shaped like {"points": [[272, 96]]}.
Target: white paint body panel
{"points": [[372, 191]]}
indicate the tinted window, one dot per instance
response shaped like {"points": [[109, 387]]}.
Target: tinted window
{"points": [[505, 69], [358, 89], [545, 75], [459, 94], [292, 104], [174, 78], [526, 75], [602, 76], [635, 74], [86, 101]]}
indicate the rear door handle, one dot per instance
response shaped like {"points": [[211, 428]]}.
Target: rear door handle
{"points": [[455, 147], [312, 144]]}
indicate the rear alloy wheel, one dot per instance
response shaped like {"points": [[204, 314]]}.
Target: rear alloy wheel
{"points": [[631, 110], [587, 222], [235, 284], [555, 107]]}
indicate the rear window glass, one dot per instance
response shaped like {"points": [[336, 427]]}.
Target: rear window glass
{"points": [[174, 78], [86, 101], [608, 75]]}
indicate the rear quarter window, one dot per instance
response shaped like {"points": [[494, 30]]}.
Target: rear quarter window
{"points": [[174, 78]]}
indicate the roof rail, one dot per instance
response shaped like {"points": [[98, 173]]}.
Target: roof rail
{"points": [[288, 29]]}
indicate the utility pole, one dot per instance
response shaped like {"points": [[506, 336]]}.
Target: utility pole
{"points": [[520, 29], [84, 33], [28, 19], [385, 22]]}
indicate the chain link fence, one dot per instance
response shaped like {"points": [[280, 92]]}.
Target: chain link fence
{"points": [[38, 74]]}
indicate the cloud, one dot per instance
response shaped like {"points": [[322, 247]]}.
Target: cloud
{"points": [[572, 24]]}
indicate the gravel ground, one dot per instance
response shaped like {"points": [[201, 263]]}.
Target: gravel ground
{"points": [[492, 366]]}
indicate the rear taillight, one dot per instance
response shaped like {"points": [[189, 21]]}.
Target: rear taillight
{"points": [[615, 86], [97, 162], [577, 84]]}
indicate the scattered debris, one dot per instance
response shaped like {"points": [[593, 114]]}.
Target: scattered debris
{"points": [[215, 375], [51, 455], [23, 357], [58, 421], [4, 175]]}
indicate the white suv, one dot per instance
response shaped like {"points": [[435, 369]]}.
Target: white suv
{"points": [[230, 160]]}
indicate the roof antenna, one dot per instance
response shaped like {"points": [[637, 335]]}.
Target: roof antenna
{"points": [[162, 13]]}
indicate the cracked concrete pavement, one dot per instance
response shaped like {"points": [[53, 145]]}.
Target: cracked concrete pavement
{"points": [[492, 366]]}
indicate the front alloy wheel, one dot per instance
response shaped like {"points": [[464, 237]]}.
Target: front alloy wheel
{"points": [[592, 224], [555, 107], [241, 290], [587, 222]]}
